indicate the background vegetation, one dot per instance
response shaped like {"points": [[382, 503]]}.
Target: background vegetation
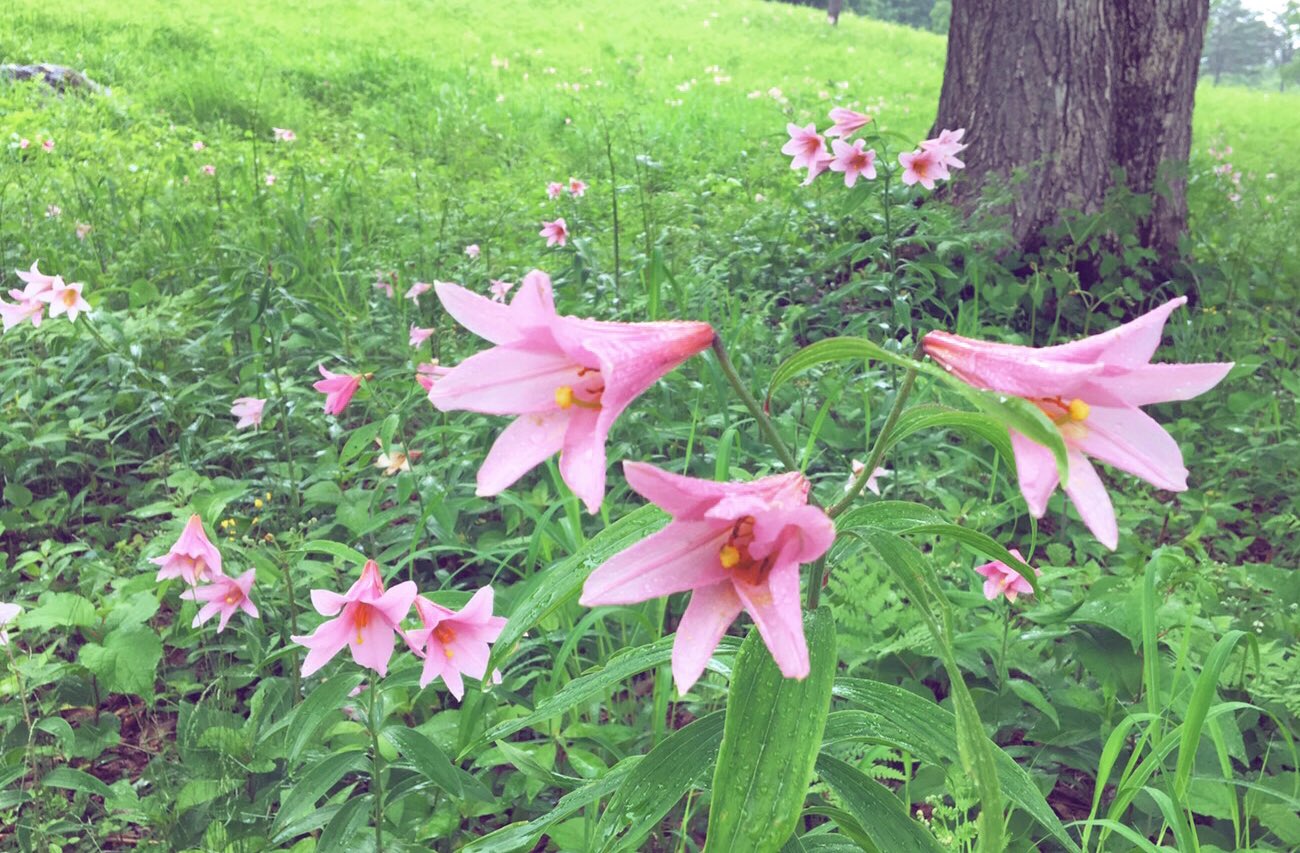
{"points": [[427, 126]]}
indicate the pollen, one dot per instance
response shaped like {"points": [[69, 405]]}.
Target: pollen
{"points": [[729, 556], [564, 396], [230, 599], [1078, 410]]}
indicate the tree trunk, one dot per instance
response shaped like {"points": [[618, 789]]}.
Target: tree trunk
{"points": [[1068, 90]]}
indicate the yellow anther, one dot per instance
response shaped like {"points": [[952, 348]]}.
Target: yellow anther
{"points": [[447, 652], [230, 599], [1078, 410], [257, 503], [729, 556], [564, 396]]}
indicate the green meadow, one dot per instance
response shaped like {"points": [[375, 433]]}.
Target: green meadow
{"points": [[1141, 698]]}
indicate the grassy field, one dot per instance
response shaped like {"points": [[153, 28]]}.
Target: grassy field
{"points": [[222, 263]]}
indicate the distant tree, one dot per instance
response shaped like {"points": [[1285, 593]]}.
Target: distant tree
{"points": [[1067, 91], [1238, 41]]}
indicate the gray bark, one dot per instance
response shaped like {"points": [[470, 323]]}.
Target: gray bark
{"points": [[1068, 90]]}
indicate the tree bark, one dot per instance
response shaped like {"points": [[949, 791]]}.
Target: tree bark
{"points": [[1067, 91]]}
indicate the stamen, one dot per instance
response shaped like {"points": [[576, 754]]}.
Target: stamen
{"points": [[729, 556], [564, 396], [1078, 410], [230, 599]]}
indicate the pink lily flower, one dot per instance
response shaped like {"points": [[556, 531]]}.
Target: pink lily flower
{"points": [[8, 612], [417, 290], [807, 148], [13, 314], [198, 145], [852, 160], [1001, 579], [923, 167], [847, 122], [427, 374], [472, 250], [24, 143], [554, 190], [48, 145], [567, 379], [225, 596], [500, 289], [270, 179], [947, 145], [455, 642], [193, 557], [872, 486], [1092, 389], [65, 299], [53, 211], [249, 411], [577, 188], [83, 229], [367, 621], [37, 282], [209, 169], [419, 336], [283, 134], [338, 389], [385, 284], [737, 546], [555, 232]]}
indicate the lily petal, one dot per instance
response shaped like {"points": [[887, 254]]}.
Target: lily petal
{"points": [[1036, 471], [1091, 500], [710, 611], [775, 609], [504, 380], [682, 556], [1128, 439], [527, 442]]}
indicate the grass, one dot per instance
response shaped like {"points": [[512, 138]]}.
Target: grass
{"points": [[427, 126]]}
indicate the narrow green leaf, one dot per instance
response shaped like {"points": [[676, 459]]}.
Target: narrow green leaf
{"points": [[346, 823], [75, 780], [679, 762], [315, 784], [335, 549], [982, 542], [882, 816], [770, 741], [918, 418], [1199, 705], [324, 702], [425, 757], [361, 438], [837, 349]]}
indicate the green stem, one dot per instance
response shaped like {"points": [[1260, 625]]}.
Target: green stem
{"points": [[882, 441], [284, 426], [764, 422], [376, 778], [293, 623], [1002, 658]]}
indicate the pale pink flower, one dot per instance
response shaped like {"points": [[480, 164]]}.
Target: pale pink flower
{"points": [[248, 410], [555, 232], [82, 230], [193, 557], [555, 189], [209, 169], [947, 145], [48, 145], [338, 389], [419, 336], [65, 299], [30, 301], [385, 284], [500, 289], [566, 379], [872, 486], [8, 612], [368, 618], [472, 250], [736, 546], [52, 211], [417, 290], [398, 460], [24, 143], [847, 122], [37, 282], [283, 134], [852, 160], [923, 167], [808, 149], [225, 596], [577, 188], [13, 314], [270, 179], [427, 374], [455, 642], [1001, 579], [1091, 389], [198, 145]]}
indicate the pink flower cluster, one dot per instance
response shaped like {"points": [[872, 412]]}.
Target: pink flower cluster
{"points": [[929, 163], [367, 619], [42, 291], [575, 188], [194, 559]]}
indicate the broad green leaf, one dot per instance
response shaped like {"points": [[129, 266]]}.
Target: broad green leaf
{"points": [[983, 543], [337, 550], [882, 816], [837, 349], [361, 438], [889, 515], [770, 741], [324, 702], [425, 757], [918, 418], [316, 783], [127, 661], [679, 762], [76, 780], [346, 823], [59, 610], [556, 586]]}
